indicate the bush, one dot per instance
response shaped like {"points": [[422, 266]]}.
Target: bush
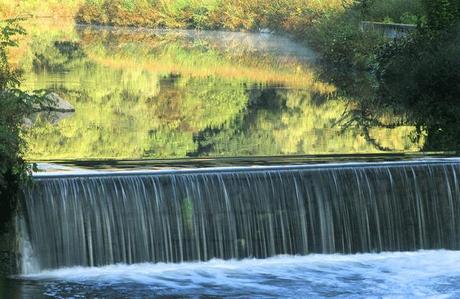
{"points": [[419, 78], [92, 12], [398, 11], [15, 106], [442, 14], [343, 44], [281, 15]]}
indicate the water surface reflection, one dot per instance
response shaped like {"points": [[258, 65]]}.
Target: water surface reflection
{"points": [[175, 94]]}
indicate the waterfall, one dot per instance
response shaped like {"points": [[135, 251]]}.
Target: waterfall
{"points": [[178, 216]]}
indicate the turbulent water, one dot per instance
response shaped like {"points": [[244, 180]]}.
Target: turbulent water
{"points": [[425, 274], [182, 216]]}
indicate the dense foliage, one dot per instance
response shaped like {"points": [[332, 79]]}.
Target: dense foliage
{"points": [[415, 78], [207, 14], [442, 14], [15, 105], [419, 76], [342, 43]]}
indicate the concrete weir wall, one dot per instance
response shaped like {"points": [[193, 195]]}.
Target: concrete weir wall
{"points": [[391, 30], [181, 215], [9, 249]]}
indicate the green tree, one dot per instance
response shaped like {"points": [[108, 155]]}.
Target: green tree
{"points": [[418, 76], [442, 14], [15, 105]]}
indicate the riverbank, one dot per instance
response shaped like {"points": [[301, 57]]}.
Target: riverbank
{"points": [[331, 27], [286, 15], [65, 9]]}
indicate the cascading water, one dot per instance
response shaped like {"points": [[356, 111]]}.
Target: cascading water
{"points": [[103, 219]]}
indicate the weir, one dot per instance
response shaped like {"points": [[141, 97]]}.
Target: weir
{"points": [[233, 213], [391, 30]]}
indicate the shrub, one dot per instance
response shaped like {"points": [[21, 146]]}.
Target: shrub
{"points": [[419, 78], [92, 12], [343, 44], [399, 11], [15, 106], [442, 14], [287, 15]]}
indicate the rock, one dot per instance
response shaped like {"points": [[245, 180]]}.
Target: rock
{"points": [[56, 104], [53, 111], [54, 117]]}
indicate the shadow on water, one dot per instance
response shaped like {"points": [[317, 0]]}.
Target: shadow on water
{"points": [[413, 82], [18, 289]]}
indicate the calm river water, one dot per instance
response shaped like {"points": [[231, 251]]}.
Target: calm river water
{"points": [[177, 94]]}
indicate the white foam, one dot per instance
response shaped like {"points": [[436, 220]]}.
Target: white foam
{"points": [[410, 274]]}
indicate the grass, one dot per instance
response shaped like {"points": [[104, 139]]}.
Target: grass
{"points": [[38, 8], [281, 15], [206, 14]]}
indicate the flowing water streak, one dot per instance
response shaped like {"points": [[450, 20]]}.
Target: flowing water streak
{"points": [[178, 216]]}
